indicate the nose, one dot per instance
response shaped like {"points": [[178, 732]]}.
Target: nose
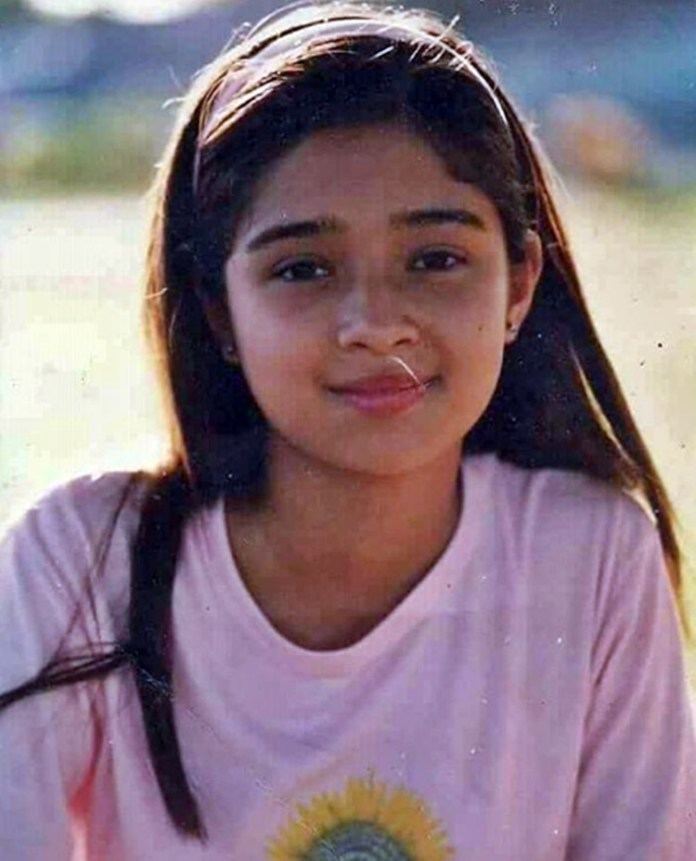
{"points": [[374, 319]]}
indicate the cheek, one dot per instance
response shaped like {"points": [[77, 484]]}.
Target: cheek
{"points": [[277, 354], [475, 324], [476, 339]]}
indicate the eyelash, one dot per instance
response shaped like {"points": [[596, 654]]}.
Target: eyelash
{"points": [[459, 260], [288, 267], [280, 271]]}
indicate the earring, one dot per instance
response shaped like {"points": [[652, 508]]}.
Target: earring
{"points": [[512, 330], [230, 354]]}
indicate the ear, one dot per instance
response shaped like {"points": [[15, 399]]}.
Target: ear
{"points": [[524, 277]]}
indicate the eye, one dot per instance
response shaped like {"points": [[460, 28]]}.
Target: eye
{"points": [[436, 260], [300, 270]]}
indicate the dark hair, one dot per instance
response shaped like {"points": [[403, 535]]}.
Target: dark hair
{"points": [[557, 404]]}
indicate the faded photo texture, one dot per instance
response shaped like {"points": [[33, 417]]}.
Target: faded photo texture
{"points": [[88, 90]]}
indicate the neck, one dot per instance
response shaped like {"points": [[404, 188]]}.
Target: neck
{"points": [[323, 528]]}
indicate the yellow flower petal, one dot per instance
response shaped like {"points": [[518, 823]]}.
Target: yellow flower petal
{"points": [[399, 814]]}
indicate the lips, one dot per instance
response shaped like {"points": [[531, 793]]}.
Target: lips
{"points": [[384, 395], [382, 384]]}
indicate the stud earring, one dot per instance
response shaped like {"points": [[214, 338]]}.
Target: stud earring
{"points": [[512, 329], [230, 354]]}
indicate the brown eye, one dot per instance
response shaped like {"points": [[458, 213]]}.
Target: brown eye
{"points": [[300, 270], [438, 260]]}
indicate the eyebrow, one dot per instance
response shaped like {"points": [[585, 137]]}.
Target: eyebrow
{"points": [[327, 225]]}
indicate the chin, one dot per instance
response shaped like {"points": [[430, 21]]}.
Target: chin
{"points": [[381, 466], [372, 458], [380, 451]]}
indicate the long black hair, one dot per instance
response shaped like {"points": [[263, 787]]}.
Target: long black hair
{"points": [[557, 404]]}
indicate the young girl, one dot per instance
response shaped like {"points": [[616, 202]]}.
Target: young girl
{"points": [[403, 590]]}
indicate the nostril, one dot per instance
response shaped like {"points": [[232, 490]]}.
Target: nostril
{"points": [[379, 336]]}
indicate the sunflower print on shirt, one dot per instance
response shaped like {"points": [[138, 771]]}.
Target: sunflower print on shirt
{"points": [[367, 821]]}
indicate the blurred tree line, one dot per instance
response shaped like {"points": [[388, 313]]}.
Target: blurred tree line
{"points": [[13, 10], [82, 99]]}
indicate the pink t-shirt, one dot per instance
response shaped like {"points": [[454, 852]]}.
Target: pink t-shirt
{"points": [[525, 702]]}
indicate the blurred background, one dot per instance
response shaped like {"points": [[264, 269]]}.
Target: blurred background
{"points": [[88, 93]]}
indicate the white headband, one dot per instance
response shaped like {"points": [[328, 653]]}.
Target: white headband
{"points": [[257, 66]]}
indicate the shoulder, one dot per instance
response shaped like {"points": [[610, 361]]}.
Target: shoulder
{"points": [[560, 525], [551, 499], [79, 511], [578, 549], [75, 536]]}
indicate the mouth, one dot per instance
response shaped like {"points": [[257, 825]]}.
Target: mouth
{"points": [[383, 396]]}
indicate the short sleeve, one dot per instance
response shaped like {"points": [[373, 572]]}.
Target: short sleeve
{"points": [[636, 793], [48, 741]]}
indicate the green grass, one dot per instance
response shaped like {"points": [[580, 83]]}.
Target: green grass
{"points": [[94, 147]]}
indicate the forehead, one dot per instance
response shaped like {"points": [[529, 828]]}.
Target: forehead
{"points": [[366, 169]]}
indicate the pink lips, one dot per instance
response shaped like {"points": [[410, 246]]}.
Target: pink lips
{"points": [[384, 395]]}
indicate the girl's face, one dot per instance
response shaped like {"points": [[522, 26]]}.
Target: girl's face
{"points": [[359, 250]]}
